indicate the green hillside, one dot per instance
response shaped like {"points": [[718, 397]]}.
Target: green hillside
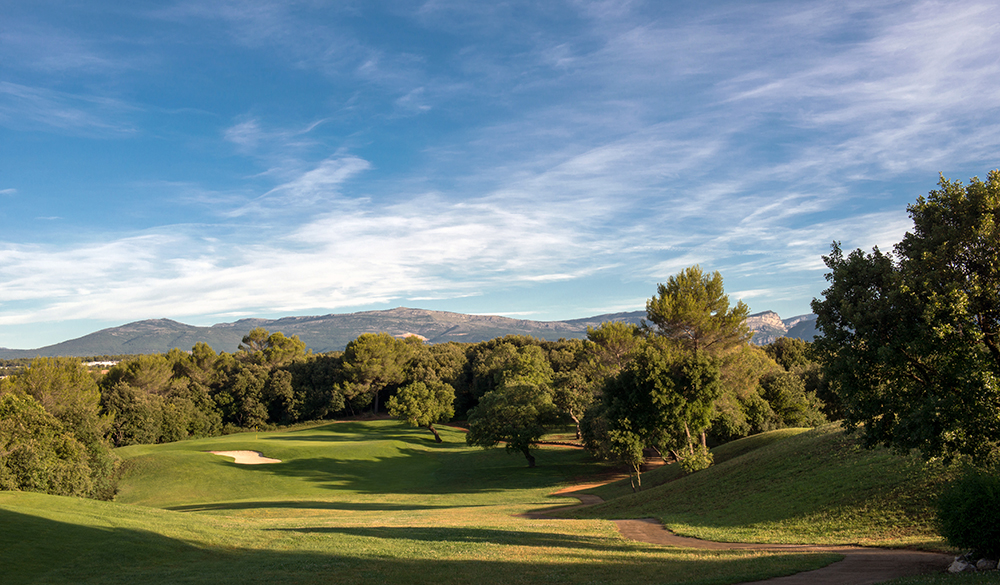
{"points": [[350, 503], [809, 487]]}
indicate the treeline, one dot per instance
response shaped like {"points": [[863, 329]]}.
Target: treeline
{"points": [[626, 388]]}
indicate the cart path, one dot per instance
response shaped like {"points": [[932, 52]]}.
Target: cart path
{"points": [[860, 566]]}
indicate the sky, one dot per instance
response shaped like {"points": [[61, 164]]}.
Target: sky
{"points": [[211, 161]]}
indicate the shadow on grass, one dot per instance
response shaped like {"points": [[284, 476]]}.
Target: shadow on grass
{"points": [[358, 432], [448, 470], [470, 535], [39, 550], [343, 506]]}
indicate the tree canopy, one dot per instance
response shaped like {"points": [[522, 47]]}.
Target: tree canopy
{"points": [[423, 404], [693, 309], [910, 338]]}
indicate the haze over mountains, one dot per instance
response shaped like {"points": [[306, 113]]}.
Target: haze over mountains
{"points": [[333, 332]]}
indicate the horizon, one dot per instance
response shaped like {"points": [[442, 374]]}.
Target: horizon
{"points": [[223, 323], [211, 162]]}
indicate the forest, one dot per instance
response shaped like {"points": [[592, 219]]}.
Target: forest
{"points": [[687, 379]]}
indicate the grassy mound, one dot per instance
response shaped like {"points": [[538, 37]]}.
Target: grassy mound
{"points": [[370, 502], [667, 473], [808, 487]]}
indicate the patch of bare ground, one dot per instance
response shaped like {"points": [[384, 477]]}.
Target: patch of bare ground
{"points": [[247, 457]]}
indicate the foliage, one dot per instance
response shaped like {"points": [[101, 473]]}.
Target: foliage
{"points": [[422, 404], [271, 349], [517, 413], [38, 453], [663, 398], [740, 409], [911, 340], [136, 417], [791, 404], [701, 459], [67, 392], [967, 513], [373, 363], [692, 371], [613, 345], [693, 309], [789, 352]]}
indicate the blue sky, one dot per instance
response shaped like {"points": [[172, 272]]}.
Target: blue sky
{"points": [[208, 161]]}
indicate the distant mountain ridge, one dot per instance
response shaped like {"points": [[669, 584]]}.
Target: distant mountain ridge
{"points": [[333, 332], [768, 326]]}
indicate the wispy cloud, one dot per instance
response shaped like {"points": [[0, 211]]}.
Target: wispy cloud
{"points": [[30, 108], [485, 146]]}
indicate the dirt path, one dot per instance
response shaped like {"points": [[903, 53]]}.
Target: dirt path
{"points": [[860, 566]]}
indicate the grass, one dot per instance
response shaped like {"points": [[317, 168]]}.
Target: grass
{"points": [[667, 473], [350, 503], [808, 487]]}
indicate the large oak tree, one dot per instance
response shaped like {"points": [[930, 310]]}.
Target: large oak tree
{"points": [[911, 339]]}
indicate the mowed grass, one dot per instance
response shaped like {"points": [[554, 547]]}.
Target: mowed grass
{"points": [[371, 502], [814, 487]]}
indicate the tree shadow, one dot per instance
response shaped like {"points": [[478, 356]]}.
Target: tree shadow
{"points": [[306, 505], [41, 550], [343, 432], [470, 535], [417, 470]]}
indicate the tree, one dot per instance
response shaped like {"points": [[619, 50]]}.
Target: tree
{"points": [[613, 345], [663, 398], [517, 414], [67, 392], [911, 339], [372, 363], [789, 352], [423, 404], [693, 309], [271, 349], [37, 453]]}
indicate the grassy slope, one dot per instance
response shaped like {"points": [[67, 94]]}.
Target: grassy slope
{"points": [[721, 454], [811, 487], [351, 503]]}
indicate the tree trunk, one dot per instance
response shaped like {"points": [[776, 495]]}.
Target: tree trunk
{"points": [[637, 481], [529, 457], [437, 437], [704, 440], [577, 422], [687, 431]]}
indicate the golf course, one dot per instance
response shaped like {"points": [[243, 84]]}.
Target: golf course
{"points": [[379, 502]]}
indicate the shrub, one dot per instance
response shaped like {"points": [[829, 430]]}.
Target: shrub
{"points": [[969, 513], [702, 458]]}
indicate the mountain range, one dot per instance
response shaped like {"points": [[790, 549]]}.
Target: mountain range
{"points": [[333, 332]]}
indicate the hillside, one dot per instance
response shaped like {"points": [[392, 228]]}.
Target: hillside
{"points": [[815, 486], [350, 503], [332, 332]]}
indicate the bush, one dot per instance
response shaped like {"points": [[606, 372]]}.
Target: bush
{"points": [[702, 458], [969, 514]]}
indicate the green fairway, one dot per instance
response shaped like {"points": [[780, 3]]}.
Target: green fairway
{"points": [[371, 502], [813, 487]]}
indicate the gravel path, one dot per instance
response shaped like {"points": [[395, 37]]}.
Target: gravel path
{"points": [[860, 566]]}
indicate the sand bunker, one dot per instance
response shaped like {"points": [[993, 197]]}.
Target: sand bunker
{"points": [[247, 457]]}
